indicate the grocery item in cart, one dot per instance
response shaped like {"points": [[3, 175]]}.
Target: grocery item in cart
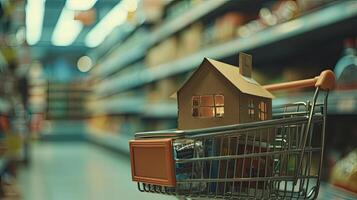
{"points": [[188, 149]]}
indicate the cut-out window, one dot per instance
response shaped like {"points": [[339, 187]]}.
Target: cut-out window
{"points": [[208, 106], [207, 111], [207, 100], [195, 101], [219, 111], [219, 100], [251, 108], [262, 115], [195, 112]]}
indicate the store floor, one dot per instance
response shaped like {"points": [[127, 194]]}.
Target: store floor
{"points": [[78, 171], [81, 171]]}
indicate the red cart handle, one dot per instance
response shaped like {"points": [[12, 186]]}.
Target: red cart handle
{"points": [[325, 81]]}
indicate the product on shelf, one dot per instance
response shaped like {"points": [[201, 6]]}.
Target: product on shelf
{"points": [[4, 129], [344, 173], [277, 12], [153, 10], [163, 52], [161, 90], [66, 100], [190, 40], [208, 35], [178, 8], [346, 67], [225, 26], [306, 5]]}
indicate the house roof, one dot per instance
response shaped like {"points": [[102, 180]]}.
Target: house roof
{"points": [[244, 84]]}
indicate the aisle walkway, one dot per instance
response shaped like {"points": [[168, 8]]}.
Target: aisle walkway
{"points": [[78, 171]]}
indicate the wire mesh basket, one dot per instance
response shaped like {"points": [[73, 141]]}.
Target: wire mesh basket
{"points": [[279, 158]]}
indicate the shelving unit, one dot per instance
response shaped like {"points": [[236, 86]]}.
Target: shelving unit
{"points": [[339, 102], [328, 191], [4, 105], [3, 164], [287, 31], [13, 116], [66, 101], [117, 62], [108, 140], [121, 105], [3, 62]]}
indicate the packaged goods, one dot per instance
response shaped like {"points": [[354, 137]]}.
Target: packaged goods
{"points": [[344, 173]]}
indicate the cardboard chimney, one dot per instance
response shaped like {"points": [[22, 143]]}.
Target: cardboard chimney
{"points": [[245, 65], [219, 94]]}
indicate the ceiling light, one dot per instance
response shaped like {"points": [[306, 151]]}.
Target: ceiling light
{"points": [[80, 4], [130, 5], [115, 17], [84, 64], [67, 29], [35, 10]]}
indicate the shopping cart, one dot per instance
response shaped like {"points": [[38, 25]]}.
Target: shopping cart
{"points": [[273, 159]]}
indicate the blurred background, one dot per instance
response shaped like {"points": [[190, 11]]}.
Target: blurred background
{"points": [[79, 77]]}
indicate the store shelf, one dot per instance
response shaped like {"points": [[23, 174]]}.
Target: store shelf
{"points": [[3, 62], [298, 27], [4, 106], [116, 62], [340, 102], [343, 102], [132, 105], [3, 164], [185, 19], [64, 127], [328, 191], [33, 82], [160, 110], [111, 141]]}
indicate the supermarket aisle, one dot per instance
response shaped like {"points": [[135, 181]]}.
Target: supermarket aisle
{"points": [[78, 171]]}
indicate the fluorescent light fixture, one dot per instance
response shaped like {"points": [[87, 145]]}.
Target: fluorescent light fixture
{"points": [[130, 5], [67, 29], [115, 17], [80, 4], [84, 64], [35, 11]]}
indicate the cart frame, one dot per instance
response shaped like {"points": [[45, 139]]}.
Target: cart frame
{"points": [[279, 158]]}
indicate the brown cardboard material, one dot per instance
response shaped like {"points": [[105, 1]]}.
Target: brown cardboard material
{"points": [[245, 64], [218, 78]]}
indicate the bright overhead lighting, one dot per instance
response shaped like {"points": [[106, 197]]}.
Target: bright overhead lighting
{"points": [[35, 10], [84, 64], [115, 17], [130, 5], [80, 4], [67, 29]]}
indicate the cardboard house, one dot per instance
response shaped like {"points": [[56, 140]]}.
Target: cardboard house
{"points": [[219, 94]]}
